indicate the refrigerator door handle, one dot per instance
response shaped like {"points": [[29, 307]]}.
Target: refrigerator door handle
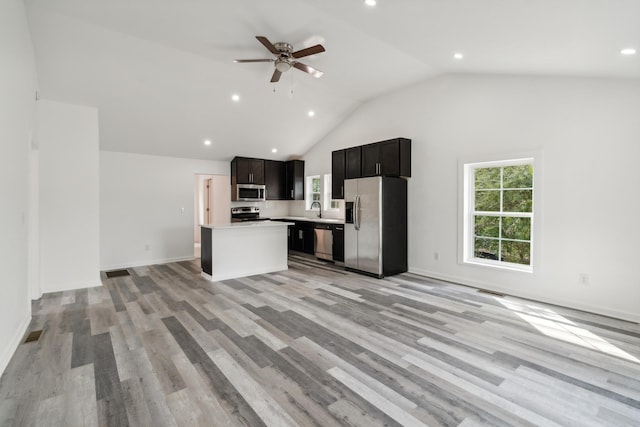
{"points": [[356, 213]]}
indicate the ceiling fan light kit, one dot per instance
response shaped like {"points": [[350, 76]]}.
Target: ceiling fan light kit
{"points": [[286, 58]]}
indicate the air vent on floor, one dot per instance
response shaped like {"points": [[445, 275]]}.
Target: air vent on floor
{"points": [[34, 336], [487, 291], [117, 273]]}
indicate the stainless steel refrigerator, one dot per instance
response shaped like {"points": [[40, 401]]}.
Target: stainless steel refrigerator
{"points": [[375, 231]]}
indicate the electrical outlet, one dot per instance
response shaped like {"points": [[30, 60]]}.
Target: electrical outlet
{"points": [[583, 278], [436, 256]]}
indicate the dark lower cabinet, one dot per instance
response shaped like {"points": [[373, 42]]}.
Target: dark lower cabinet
{"points": [[290, 237], [338, 243], [304, 237]]}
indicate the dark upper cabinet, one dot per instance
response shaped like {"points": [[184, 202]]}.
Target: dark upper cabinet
{"points": [[352, 162], [294, 175], [338, 163], [282, 180], [245, 170], [387, 158], [275, 180]]}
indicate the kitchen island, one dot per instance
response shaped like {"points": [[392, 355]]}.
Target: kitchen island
{"points": [[243, 249]]}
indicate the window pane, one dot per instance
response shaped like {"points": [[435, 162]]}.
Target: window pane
{"points": [[485, 248], [516, 228], [315, 185], [487, 226], [487, 178], [517, 200], [315, 197], [520, 176], [488, 201], [516, 252]]}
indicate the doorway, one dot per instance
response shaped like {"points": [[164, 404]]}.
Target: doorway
{"points": [[212, 204]]}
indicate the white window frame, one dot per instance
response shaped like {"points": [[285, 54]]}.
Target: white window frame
{"points": [[325, 193], [309, 193], [467, 168], [328, 201]]}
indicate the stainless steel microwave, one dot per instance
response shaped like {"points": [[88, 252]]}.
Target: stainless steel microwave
{"points": [[249, 193]]}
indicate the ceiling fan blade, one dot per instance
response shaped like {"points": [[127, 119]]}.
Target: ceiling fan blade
{"points": [[276, 76], [307, 69], [268, 45], [238, 61], [308, 51]]}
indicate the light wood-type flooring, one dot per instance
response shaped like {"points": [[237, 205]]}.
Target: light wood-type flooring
{"points": [[316, 346]]}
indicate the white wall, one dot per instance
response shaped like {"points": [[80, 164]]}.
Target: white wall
{"points": [[147, 207], [588, 133], [67, 137], [17, 93]]}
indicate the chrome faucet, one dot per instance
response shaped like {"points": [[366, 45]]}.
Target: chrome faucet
{"points": [[316, 203]]}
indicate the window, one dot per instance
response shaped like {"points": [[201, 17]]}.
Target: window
{"points": [[331, 204], [314, 193], [319, 190], [499, 213]]}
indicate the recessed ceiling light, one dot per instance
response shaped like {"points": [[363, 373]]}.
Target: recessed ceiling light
{"points": [[370, 2], [458, 55], [274, 150], [235, 97], [628, 51], [311, 113], [207, 142]]}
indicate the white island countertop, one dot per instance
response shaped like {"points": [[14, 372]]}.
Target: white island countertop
{"points": [[252, 224], [311, 219]]}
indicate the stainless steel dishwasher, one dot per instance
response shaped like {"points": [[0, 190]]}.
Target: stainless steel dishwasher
{"points": [[324, 241]]}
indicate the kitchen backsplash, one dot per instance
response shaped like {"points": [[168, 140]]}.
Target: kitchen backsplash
{"points": [[279, 208]]}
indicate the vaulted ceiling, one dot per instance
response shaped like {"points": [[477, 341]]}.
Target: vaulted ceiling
{"points": [[161, 72]]}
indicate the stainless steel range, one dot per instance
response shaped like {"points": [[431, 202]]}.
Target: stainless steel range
{"points": [[246, 213]]}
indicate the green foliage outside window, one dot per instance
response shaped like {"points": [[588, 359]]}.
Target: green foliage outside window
{"points": [[502, 215]]}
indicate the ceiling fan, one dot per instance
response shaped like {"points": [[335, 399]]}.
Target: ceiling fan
{"points": [[285, 58]]}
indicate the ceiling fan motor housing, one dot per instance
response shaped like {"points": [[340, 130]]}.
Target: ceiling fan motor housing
{"points": [[284, 48]]}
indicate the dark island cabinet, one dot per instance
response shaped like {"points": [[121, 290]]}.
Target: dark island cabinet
{"points": [[275, 180], [245, 170], [387, 158], [338, 162]]}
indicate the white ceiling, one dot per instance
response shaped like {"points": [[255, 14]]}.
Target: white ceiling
{"points": [[161, 72]]}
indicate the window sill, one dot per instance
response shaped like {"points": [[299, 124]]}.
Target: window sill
{"points": [[499, 265]]}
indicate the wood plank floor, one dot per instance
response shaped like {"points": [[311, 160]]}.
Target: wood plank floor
{"points": [[316, 346]]}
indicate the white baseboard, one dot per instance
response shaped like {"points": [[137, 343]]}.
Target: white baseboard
{"points": [[11, 347], [72, 286], [605, 311], [134, 264]]}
